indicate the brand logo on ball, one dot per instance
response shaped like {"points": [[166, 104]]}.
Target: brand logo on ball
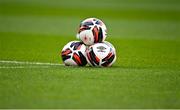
{"points": [[101, 49]]}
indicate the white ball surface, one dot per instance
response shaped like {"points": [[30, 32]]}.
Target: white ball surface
{"points": [[92, 30]]}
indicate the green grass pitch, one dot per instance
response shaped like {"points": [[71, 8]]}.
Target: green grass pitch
{"points": [[145, 33]]}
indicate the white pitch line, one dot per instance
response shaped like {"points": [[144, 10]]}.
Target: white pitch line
{"points": [[33, 64], [12, 67], [16, 67], [30, 63]]}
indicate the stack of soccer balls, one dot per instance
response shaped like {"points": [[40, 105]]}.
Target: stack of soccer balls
{"points": [[92, 47]]}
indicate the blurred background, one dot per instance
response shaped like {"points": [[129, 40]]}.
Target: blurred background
{"points": [[124, 18]]}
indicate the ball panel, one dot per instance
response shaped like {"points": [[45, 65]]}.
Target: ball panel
{"points": [[108, 60], [74, 54], [70, 62], [87, 37], [101, 50], [101, 54], [76, 58], [83, 58], [89, 59], [93, 58], [76, 45], [100, 35], [65, 54]]}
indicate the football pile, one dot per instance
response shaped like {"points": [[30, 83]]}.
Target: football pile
{"points": [[92, 47]]}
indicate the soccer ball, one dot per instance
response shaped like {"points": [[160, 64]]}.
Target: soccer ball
{"points": [[74, 54], [101, 54], [92, 30]]}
